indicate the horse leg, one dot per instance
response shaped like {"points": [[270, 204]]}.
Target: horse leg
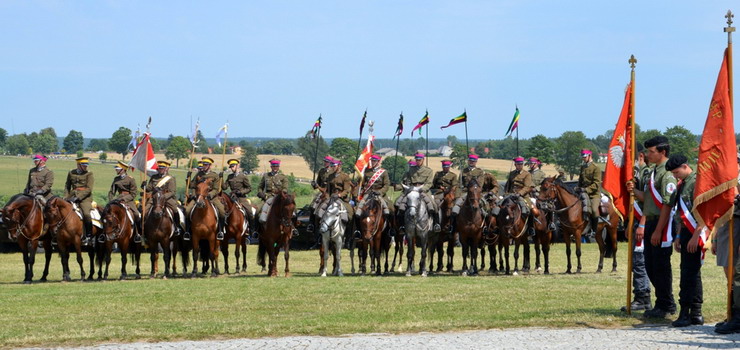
{"points": [[492, 258], [516, 257], [286, 244], [613, 234], [243, 245], [167, 257], [324, 251], [465, 253], [537, 265], [64, 254], [91, 257], [506, 253], [215, 270], [137, 258], [237, 245], [423, 262], [578, 254], [410, 255], [474, 256], [47, 255], [602, 248], [195, 253], [450, 255], [153, 259], [27, 266], [395, 254], [225, 251], [352, 254], [338, 256], [482, 256], [440, 248], [526, 264], [567, 252], [546, 255]]}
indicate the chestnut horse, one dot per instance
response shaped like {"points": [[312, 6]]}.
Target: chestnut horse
{"points": [[23, 216], [569, 210], [158, 230], [237, 228], [117, 228], [373, 236], [470, 226], [512, 226], [276, 233], [67, 227], [203, 226], [437, 240]]}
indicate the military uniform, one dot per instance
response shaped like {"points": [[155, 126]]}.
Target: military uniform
{"points": [[79, 185], [441, 182], [123, 190], [380, 186], [270, 185], [212, 192], [537, 177], [39, 182], [338, 183], [418, 176], [589, 181], [167, 184], [321, 178], [658, 259], [240, 187], [520, 183], [468, 174]]}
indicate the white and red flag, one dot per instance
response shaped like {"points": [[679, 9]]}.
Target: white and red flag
{"points": [[143, 158], [620, 160]]}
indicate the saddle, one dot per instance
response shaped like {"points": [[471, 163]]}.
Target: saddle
{"points": [[94, 214]]}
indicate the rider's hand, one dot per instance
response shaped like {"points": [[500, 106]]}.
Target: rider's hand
{"points": [[74, 199], [640, 233], [39, 192], [677, 245], [630, 186]]}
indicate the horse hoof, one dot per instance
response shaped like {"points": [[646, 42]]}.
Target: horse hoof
{"points": [[138, 277], [547, 272], [424, 274], [408, 273], [43, 279], [515, 273], [340, 274], [26, 282], [464, 273], [539, 269], [287, 274], [164, 277], [598, 271], [323, 274], [614, 270]]}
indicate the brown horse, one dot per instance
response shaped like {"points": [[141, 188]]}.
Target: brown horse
{"points": [[117, 228], [490, 235], [237, 228], [204, 223], [512, 226], [606, 236], [470, 226], [23, 216], [569, 210], [158, 230], [543, 234], [67, 227], [437, 240], [373, 236], [276, 233]]}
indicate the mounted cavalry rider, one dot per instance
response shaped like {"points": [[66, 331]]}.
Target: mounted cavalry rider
{"points": [[589, 181], [240, 186], [443, 181], [122, 190], [320, 183], [468, 174], [78, 189], [520, 184], [418, 175], [167, 184], [270, 185], [40, 180], [537, 174], [374, 180], [339, 186], [202, 175]]}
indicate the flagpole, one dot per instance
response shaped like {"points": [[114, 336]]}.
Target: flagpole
{"points": [[193, 141], [223, 157], [359, 143], [143, 196], [631, 214], [731, 256], [467, 146], [427, 139], [517, 142], [316, 151], [395, 165]]}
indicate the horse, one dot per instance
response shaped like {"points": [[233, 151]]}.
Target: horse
{"points": [[417, 223], [490, 235], [23, 216], [276, 233], [606, 237], [373, 236], [399, 237], [437, 240], [470, 226], [569, 210], [237, 228], [543, 233], [332, 233], [67, 226], [203, 227], [512, 226], [117, 228], [158, 230]]}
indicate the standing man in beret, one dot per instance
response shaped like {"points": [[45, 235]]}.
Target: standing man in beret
{"points": [[78, 189], [40, 180], [122, 190], [270, 185], [204, 174]]}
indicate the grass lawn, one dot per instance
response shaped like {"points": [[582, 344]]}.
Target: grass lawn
{"points": [[252, 305]]}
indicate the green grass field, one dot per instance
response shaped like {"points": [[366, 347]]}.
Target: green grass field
{"points": [[252, 305]]}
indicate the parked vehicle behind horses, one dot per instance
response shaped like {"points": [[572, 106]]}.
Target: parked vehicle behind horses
{"points": [[23, 216]]}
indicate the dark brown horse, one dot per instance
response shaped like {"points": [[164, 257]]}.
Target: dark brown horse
{"points": [[470, 226], [569, 210], [237, 228], [23, 216], [543, 234], [490, 235], [373, 236], [512, 226], [158, 232], [437, 240], [67, 227], [117, 228], [203, 227], [276, 233]]}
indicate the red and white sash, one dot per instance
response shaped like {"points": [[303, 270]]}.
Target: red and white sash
{"points": [[667, 236], [688, 220], [372, 180]]}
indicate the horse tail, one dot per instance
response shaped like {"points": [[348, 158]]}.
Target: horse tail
{"points": [[608, 251], [205, 251]]}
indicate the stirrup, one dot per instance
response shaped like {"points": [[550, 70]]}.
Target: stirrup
{"points": [[137, 238], [437, 228], [101, 238], [186, 236], [357, 234], [220, 236], [294, 232], [309, 228]]}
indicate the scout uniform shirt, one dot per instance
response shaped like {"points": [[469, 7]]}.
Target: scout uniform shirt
{"points": [[663, 185], [39, 179], [684, 193]]}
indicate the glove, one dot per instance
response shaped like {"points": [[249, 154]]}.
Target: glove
{"points": [[143, 184], [314, 185], [237, 193], [377, 193], [221, 175], [261, 195]]}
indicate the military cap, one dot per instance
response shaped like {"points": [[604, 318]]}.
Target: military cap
{"points": [[207, 160], [232, 161]]}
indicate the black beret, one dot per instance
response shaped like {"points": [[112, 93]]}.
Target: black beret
{"points": [[656, 141], [675, 161]]}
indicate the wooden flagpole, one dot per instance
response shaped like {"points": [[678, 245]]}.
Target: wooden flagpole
{"points": [[223, 156], [731, 246], [631, 213]]}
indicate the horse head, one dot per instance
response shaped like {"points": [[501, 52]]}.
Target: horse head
{"points": [[114, 215], [331, 215], [201, 190], [13, 215], [509, 212], [413, 200], [372, 217], [474, 194], [547, 189]]}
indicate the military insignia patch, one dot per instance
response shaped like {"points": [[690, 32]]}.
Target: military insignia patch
{"points": [[670, 187]]}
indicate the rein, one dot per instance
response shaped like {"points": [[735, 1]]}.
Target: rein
{"points": [[19, 228]]}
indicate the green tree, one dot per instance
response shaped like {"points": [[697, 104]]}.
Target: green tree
{"points": [[18, 144], [345, 150], [451, 140], [201, 145], [97, 145], [459, 156], [73, 141], [567, 151], [44, 143], [682, 141], [306, 147], [3, 137], [542, 148], [646, 135], [396, 166], [119, 141], [48, 131], [178, 148], [249, 162], [103, 157]]}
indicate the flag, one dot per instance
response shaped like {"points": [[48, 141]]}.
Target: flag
{"points": [[424, 121], [221, 132], [620, 160], [716, 170], [462, 118], [134, 139], [194, 136], [514, 122], [143, 158], [399, 128], [364, 158], [362, 123], [316, 127]]}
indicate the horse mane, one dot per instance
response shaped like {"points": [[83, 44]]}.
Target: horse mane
{"points": [[562, 185], [19, 195], [371, 203]]}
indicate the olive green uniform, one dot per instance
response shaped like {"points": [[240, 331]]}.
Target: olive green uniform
{"points": [[537, 177], [380, 187], [321, 177], [468, 174], [338, 183], [212, 192], [168, 186], [80, 184], [418, 176], [520, 183], [590, 182], [441, 182], [270, 185], [39, 182], [123, 190]]}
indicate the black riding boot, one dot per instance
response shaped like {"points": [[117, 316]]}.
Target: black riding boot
{"points": [[731, 326], [695, 314], [311, 219], [684, 320], [435, 227], [186, 235], [221, 229], [176, 219], [87, 239]]}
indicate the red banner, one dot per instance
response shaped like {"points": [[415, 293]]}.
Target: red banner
{"points": [[364, 158], [143, 158], [620, 160], [716, 173]]}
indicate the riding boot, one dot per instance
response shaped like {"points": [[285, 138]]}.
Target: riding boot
{"points": [[732, 325], [176, 219], [87, 239], [389, 220], [312, 218], [401, 214], [436, 227], [221, 228], [684, 320], [695, 314], [186, 235]]}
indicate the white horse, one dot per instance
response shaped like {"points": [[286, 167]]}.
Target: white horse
{"points": [[418, 223], [332, 230]]}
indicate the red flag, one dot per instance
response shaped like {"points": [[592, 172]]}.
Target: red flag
{"points": [[716, 173], [620, 160], [143, 158], [364, 158]]}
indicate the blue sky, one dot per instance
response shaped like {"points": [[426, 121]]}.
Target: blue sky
{"points": [[270, 67]]}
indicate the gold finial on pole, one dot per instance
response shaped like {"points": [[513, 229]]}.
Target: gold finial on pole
{"points": [[729, 29], [632, 61]]}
